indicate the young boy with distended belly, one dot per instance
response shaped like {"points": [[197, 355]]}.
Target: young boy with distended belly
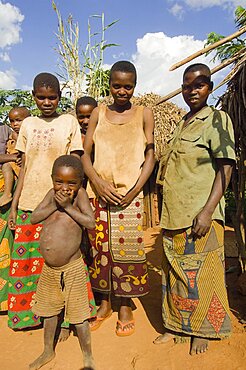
{"points": [[64, 282]]}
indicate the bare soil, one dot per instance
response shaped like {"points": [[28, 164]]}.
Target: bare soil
{"points": [[18, 349]]}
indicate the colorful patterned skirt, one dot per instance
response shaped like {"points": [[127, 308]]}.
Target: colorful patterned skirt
{"points": [[6, 242], [25, 268], [194, 293], [117, 247]]}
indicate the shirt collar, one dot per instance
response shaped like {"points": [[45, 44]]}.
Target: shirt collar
{"points": [[202, 114]]}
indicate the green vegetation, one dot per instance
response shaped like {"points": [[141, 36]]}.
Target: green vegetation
{"points": [[82, 70], [227, 50], [17, 98]]}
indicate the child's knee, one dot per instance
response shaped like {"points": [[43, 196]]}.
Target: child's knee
{"points": [[6, 167]]}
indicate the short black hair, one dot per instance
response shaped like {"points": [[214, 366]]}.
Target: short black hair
{"points": [[123, 66], [48, 80], [68, 161], [198, 67], [85, 100], [24, 110]]}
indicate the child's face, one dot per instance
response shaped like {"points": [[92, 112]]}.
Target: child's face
{"points": [[196, 89], [122, 86], [83, 116], [67, 180], [16, 117], [47, 100]]}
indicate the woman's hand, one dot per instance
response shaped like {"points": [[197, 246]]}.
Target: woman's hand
{"points": [[128, 198], [107, 192], [201, 223]]}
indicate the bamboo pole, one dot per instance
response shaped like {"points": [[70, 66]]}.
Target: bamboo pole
{"points": [[214, 70], [229, 76], [169, 96], [208, 48]]}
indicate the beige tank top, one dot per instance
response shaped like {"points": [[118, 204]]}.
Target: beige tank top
{"points": [[119, 151]]}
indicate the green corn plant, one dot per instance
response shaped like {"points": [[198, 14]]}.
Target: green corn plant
{"points": [[98, 78], [68, 50], [82, 70]]}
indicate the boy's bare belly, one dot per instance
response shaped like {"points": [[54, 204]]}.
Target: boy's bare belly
{"points": [[60, 239]]}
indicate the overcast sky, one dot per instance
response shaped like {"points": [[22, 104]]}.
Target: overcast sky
{"points": [[153, 34]]}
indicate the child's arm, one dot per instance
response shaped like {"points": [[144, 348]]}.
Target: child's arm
{"points": [[104, 189], [202, 221], [149, 162], [17, 193], [76, 154], [84, 216], [4, 158], [45, 208]]}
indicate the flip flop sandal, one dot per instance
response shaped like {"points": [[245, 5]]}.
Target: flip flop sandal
{"points": [[95, 324], [121, 325]]}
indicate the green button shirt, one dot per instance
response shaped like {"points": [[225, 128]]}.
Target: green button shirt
{"points": [[188, 169]]}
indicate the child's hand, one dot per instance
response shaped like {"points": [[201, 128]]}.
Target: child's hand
{"points": [[201, 224], [107, 192], [63, 199], [18, 160], [12, 219]]}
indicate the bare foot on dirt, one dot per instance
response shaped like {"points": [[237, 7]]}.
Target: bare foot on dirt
{"points": [[164, 338], [42, 360], [5, 199], [64, 335], [198, 345], [89, 364]]}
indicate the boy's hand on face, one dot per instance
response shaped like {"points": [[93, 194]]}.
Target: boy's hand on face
{"points": [[201, 224], [63, 199]]}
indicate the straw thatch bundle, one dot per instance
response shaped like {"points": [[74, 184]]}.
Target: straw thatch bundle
{"points": [[234, 102]]}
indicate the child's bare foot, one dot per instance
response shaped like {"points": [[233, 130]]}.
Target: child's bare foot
{"points": [[42, 360], [64, 334], [164, 338], [198, 345], [89, 363], [5, 199]]}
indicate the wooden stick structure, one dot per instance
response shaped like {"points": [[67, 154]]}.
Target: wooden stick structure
{"points": [[214, 70], [208, 48]]}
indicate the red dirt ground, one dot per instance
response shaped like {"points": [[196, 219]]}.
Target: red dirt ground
{"points": [[137, 352]]}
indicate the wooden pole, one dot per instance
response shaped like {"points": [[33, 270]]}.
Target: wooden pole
{"points": [[214, 70], [208, 48]]}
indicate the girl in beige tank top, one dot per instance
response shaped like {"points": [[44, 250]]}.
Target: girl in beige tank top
{"points": [[122, 136]]}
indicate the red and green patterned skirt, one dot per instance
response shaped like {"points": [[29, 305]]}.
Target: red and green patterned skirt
{"points": [[25, 268]]}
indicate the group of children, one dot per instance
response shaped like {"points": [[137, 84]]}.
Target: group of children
{"points": [[50, 211]]}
